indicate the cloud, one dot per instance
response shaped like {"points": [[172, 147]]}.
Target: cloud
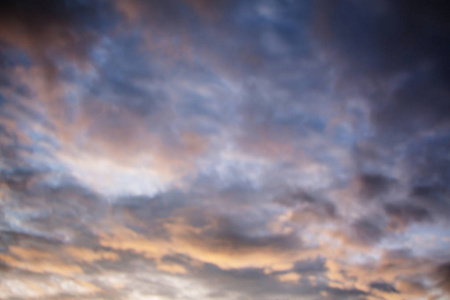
{"points": [[382, 286], [56, 288], [443, 276], [219, 246], [53, 28], [88, 255], [371, 46], [36, 264], [366, 232], [411, 288], [289, 277], [401, 215], [374, 185], [223, 150]]}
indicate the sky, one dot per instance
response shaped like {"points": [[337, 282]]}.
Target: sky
{"points": [[224, 150]]}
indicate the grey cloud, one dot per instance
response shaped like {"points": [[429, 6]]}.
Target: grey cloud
{"points": [[420, 103], [404, 213], [19, 179], [355, 294], [374, 185], [49, 214], [16, 237], [238, 241], [296, 198], [434, 197], [426, 161], [315, 213], [308, 208], [253, 283], [366, 232], [310, 267], [383, 286], [123, 82], [234, 233]]}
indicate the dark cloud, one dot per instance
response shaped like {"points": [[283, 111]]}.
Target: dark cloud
{"points": [[426, 161], [48, 29], [248, 282], [312, 213], [403, 214], [383, 286], [238, 241], [366, 232], [15, 237], [443, 276], [434, 197], [420, 103], [389, 36], [337, 293], [19, 179], [310, 267], [296, 198], [374, 185], [394, 54], [234, 234]]}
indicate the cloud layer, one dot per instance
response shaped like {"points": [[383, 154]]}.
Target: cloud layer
{"points": [[191, 149]]}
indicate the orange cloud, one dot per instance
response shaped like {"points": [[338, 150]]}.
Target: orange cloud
{"points": [[171, 268], [41, 266], [188, 241], [289, 277]]}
